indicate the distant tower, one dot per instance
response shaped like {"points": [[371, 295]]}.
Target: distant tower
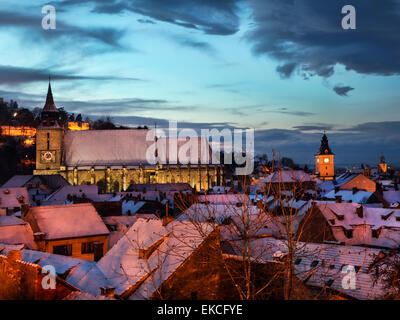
{"points": [[324, 161], [382, 166], [49, 138]]}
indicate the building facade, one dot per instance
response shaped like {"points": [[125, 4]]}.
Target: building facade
{"points": [[115, 159], [324, 161]]}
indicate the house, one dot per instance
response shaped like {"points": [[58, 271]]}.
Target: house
{"points": [[355, 224], [65, 194], [39, 187], [356, 195], [14, 231], [351, 181], [285, 179], [143, 263], [322, 267], [72, 230], [21, 280], [13, 199]]}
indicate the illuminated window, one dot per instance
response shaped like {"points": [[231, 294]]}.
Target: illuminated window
{"points": [[317, 160], [326, 160]]}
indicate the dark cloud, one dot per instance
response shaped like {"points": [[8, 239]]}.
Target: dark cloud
{"points": [[286, 70], [31, 28], [342, 90], [306, 35], [18, 75], [197, 45], [321, 127], [208, 16], [385, 129], [292, 112]]}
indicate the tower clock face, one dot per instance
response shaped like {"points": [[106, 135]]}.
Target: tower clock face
{"points": [[47, 156], [326, 160]]}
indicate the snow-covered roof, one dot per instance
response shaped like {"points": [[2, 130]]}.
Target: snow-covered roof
{"points": [[287, 176], [69, 221], [200, 212], [16, 231], [117, 147], [221, 189], [320, 265], [130, 207], [358, 196], [345, 177], [370, 226], [17, 181], [9, 197], [60, 196], [74, 271], [174, 243], [223, 198], [391, 197]]}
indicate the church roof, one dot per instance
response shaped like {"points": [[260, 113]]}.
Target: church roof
{"points": [[50, 105], [118, 148], [324, 148]]}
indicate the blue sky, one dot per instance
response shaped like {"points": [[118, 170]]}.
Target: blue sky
{"points": [[285, 68]]}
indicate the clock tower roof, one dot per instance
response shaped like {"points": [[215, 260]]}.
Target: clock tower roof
{"points": [[324, 148], [49, 106]]}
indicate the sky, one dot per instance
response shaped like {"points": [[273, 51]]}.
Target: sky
{"points": [[285, 68]]}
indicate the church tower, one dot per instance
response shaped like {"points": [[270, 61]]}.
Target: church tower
{"points": [[324, 161], [49, 137], [382, 167]]}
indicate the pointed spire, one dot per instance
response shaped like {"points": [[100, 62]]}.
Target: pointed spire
{"points": [[50, 105], [324, 149]]}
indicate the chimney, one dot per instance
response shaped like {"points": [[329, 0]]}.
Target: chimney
{"points": [[359, 211], [39, 236], [107, 291], [338, 199], [15, 255]]}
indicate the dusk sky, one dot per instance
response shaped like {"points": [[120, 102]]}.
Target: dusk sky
{"points": [[283, 67]]}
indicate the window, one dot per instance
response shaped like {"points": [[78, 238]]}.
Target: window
{"points": [[87, 247], [314, 263], [65, 250], [326, 160], [298, 261]]}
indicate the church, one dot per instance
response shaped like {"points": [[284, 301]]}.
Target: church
{"points": [[112, 159]]}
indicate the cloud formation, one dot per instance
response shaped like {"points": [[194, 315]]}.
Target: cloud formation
{"points": [[208, 16], [342, 90], [306, 36]]}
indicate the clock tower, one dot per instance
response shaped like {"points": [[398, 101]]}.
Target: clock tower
{"points": [[324, 161], [49, 137]]}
